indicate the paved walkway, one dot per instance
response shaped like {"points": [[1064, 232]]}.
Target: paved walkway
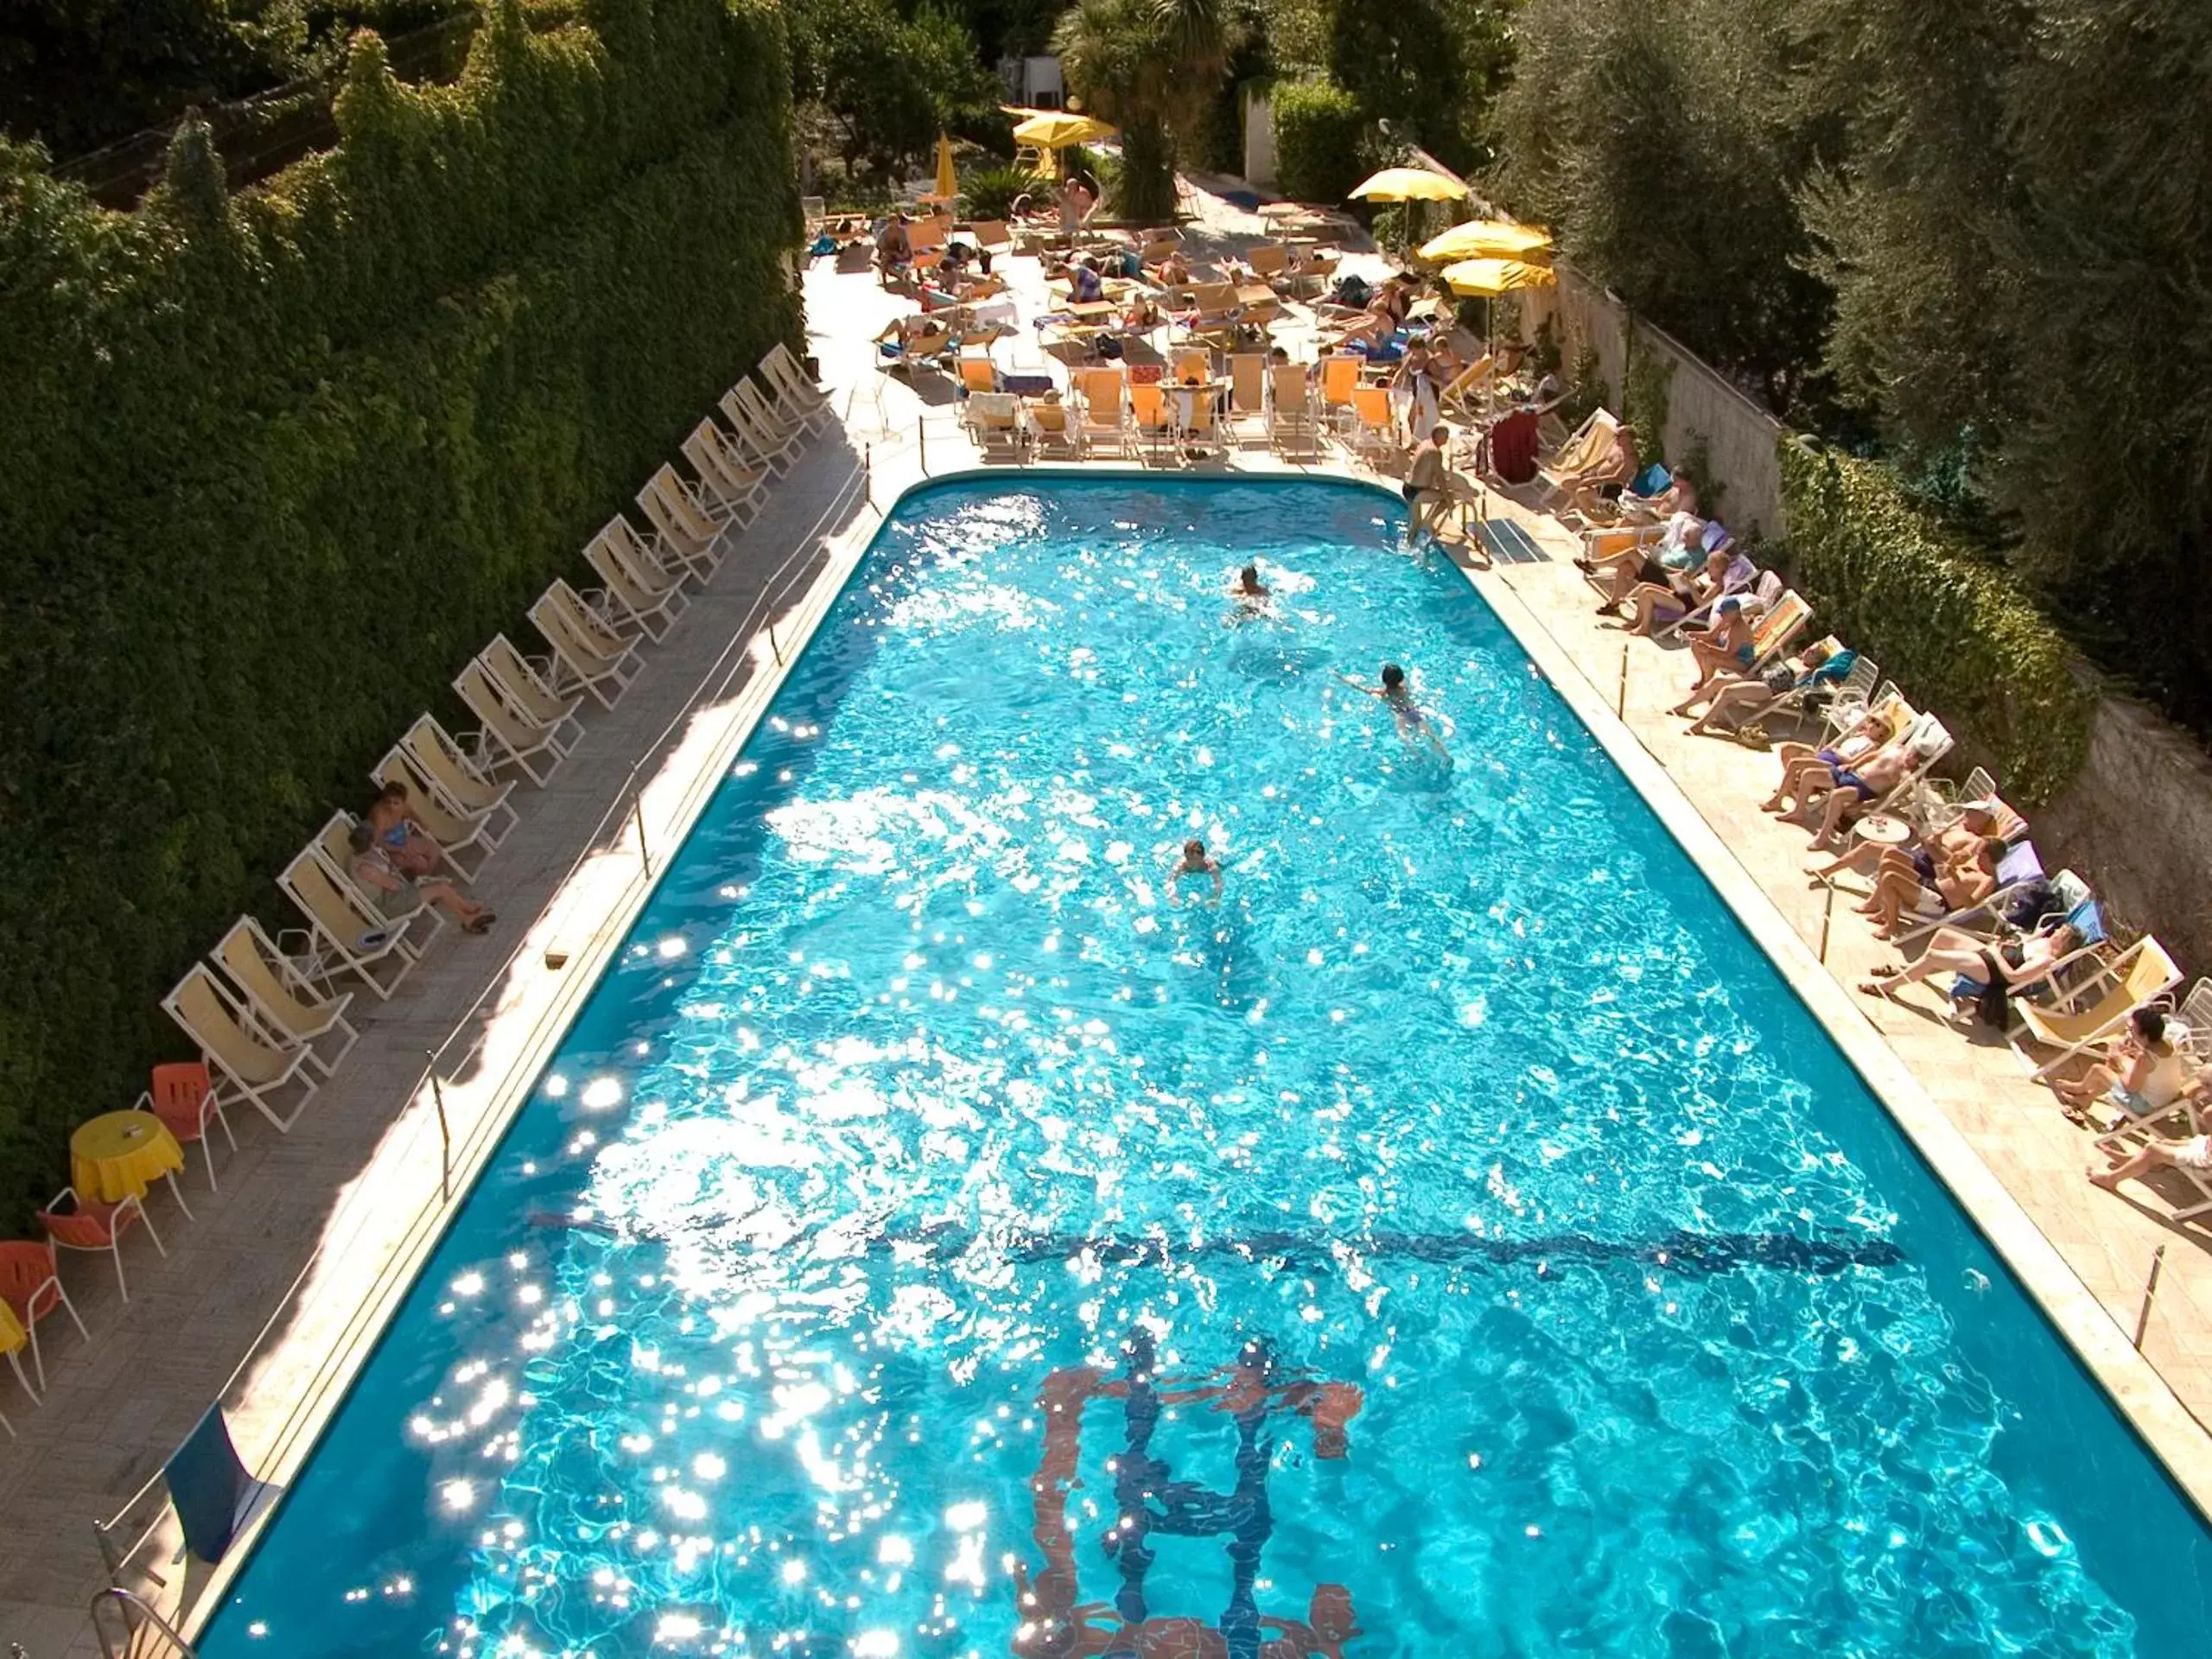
{"points": [[344, 1203]]}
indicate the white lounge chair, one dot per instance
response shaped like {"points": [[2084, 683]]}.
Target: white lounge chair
{"points": [[284, 1002], [255, 1067], [687, 528], [724, 471], [344, 935], [463, 786], [587, 654], [519, 739], [640, 590]]}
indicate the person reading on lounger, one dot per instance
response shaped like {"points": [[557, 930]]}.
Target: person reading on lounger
{"points": [[1604, 478], [1813, 673], [1723, 652], [2144, 1072], [414, 852], [395, 895]]}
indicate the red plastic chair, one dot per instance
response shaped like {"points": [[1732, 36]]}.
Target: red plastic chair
{"points": [[32, 1289], [184, 1098], [75, 1223]]}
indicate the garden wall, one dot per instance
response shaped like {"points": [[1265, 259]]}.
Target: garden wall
{"points": [[278, 464]]}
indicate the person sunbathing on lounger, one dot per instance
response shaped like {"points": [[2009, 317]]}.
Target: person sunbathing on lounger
{"points": [[1974, 824], [2192, 1153], [1979, 964], [1813, 674], [1605, 478], [1926, 883], [1858, 789], [1808, 772]]}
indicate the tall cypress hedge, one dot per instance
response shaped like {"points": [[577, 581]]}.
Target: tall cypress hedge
{"points": [[276, 466]]}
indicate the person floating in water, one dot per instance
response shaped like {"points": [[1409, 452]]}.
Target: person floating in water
{"points": [[1197, 861], [1415, 724]]}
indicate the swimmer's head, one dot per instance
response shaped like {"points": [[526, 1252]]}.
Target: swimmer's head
{"points": [[1250, 576], [1393, 677], [1194, 849]]}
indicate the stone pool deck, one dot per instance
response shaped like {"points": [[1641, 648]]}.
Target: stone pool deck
{"points": [[288, 1272]]}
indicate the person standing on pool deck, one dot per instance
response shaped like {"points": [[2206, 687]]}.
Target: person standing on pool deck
{"points": [[1424, 488], [1398, 696], [1196, 862]]}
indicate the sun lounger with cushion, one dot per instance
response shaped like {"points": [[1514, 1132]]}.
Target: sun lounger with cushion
{"points": [[251, 1063], [346, 935], [639, 595], [283, 1000], [2095, 1008], [587, 654], [515, 736], [462, 784]]}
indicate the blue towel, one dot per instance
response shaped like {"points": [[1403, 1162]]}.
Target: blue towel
{"points": [[206, 1483], [1652, 480]]}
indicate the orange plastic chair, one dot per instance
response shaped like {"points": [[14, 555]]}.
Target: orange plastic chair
{"points": [[32, 1289], [184, 1098], [74, 1222]]}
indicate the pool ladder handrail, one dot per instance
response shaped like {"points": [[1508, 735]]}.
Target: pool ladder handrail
{"points": [[138, 1617]]}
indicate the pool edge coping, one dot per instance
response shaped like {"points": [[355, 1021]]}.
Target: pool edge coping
{"points": [[2133, 1386]]}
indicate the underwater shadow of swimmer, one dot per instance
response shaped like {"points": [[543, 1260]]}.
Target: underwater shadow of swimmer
{"points": [[1278, 664]]}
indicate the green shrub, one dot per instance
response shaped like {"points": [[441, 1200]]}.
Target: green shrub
{"points": [[279, 464], [1318, 133], [1954, 633], [991, 191]]}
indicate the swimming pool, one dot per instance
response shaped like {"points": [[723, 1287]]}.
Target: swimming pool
{"points": [[932, 1241]]}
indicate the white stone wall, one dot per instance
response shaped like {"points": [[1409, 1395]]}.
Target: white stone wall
{"points": [[1738, 436]]}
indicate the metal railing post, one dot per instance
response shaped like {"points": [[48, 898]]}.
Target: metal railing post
{"points": [[645, 853], [445, 1135], [2150, 1290], [922, 441]]}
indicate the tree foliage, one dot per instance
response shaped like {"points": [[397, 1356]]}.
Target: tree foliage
{"points": [[1152, 68], [279, 463], [889, 84], [1658, 139], [1320, 131]]}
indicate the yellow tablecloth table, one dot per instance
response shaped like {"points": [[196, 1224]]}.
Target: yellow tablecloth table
{"points": [[117, 1155], [11, 1331]]}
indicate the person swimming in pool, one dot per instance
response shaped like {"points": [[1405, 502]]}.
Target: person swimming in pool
{"points": [[1253, 596], [1197, 861], [1415, 724]]}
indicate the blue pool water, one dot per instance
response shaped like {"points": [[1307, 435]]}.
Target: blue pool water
{"points": [[1460, 1236]]}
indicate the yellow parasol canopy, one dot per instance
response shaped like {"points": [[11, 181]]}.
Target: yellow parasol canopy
{"points": [[1490, 238], [1057, 130], [1409, 184], [947, 184], [1494, 276]]}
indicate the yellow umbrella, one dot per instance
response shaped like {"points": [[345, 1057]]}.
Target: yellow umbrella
{"points": [[948, 181], [1490, 238], [1057, 130], [1490, 277], [1405, 184]]}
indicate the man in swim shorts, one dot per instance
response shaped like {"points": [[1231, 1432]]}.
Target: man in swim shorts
{"points": [[1425, 488]]}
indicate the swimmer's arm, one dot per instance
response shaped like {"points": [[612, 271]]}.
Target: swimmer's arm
{"points": [[1216, 873]]}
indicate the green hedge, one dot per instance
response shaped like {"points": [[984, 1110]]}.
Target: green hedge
{"points": [[1318, 135], [1956, 635], [278, 465]]}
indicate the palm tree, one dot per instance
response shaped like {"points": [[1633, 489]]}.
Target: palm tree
{"points": [[1151, 67]]}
